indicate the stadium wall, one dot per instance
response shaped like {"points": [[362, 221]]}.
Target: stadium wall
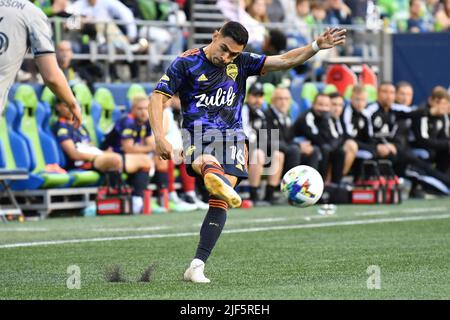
{"points": [[423, 59]]}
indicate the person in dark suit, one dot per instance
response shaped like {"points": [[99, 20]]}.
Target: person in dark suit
{"points": [[254, 123], [318, 126]]}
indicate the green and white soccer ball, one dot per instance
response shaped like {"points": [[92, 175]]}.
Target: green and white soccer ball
{"points": [[302, 186]]}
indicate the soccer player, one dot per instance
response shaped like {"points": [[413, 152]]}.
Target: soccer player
{"points": [[211, 84], [23, 25], [131, 136], [81, 154]]}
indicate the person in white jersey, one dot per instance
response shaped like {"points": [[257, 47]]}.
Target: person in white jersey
{"points": [[23, 26]]}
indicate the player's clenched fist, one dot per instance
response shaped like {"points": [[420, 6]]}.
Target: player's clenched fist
{"points": [[164, 149]]}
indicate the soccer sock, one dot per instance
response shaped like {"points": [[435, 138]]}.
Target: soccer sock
{"points": [[269, 192], [187, 181], [211, 228], [254, 193], [171, 176], [139, 182], [212, 167], [161, 179]]}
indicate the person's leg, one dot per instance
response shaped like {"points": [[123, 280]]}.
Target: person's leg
{"points": [[312, 159], [216, 182], [324, 160], [135, 162], [337, 159], [442, 161], [350, 149], [273, 180], [161, 179], [293, 157], [208, 167], [108, 161], [137, 166], [189, 188], [255, 171]]}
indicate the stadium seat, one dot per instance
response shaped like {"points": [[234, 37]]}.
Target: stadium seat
{"points": [[370, 90], [371, 93], [78, 178], [348, 92], [38, 88], [14, 151], [309, 92], [109, 113], [119, 91], [90, 111], [134, 90], [268, 91], [341, 76], [32, 114], [368, 76], [329, 88]]}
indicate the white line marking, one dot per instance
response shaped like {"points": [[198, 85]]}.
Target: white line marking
{"points": [[244, 230], [412, 210], [128, 229], [24, 230]]}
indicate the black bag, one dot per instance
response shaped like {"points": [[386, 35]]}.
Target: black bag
{"points": [[114, 197], [336, 194]]}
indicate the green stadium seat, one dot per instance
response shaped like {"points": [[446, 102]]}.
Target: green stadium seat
{"points": [[134, 90], [109, 113], [330, 88], [90, 111], [348, 92], [42, 147], [371, 91], [268, 91]]}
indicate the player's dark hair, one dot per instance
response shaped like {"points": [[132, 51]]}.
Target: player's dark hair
{"points": [[358, 89], [320, 94], [277, 40], [402, 84], [385, 83], [235, 31], [333, 95], [439, 93]]}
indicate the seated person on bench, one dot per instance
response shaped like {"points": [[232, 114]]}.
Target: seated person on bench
{"points": [[81, 154]]}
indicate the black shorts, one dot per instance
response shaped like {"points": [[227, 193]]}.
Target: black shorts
{"points": [[232, 156]]}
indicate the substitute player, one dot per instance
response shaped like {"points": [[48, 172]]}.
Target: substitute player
{"points": [[23, 25], [211, 85]]}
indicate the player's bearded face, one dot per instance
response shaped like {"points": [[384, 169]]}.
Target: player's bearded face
{"points": [[224, 50]]}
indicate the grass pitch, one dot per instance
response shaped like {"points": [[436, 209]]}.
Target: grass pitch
{"points": [[264, 253]]}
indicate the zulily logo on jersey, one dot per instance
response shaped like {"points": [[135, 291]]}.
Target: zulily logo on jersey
{"points": [[221, 98]]}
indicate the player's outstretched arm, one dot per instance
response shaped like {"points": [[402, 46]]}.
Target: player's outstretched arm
{"points": [[329, 39], [56, 81], [155, 112]]}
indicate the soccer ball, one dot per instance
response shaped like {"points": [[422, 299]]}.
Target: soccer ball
{"points": [[302, 186]]}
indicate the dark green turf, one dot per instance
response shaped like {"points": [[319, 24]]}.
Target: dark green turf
{"points": [[312, 263]]}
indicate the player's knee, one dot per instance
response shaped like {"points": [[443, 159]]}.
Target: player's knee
{"points": [[351, 146], [115, 162]]}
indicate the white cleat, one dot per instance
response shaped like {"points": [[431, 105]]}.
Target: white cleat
{"points": [[195, 272], [220, 189]]}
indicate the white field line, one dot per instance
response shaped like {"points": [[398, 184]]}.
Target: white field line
{"points": [[412, 210], [242, 230], [24, 229], [115, 229]]}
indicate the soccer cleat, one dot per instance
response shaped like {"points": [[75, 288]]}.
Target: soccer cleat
{"points": [[156, 208], [219, 188], [193, 199], [178, 205], [195, 272], [181, 206]]}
